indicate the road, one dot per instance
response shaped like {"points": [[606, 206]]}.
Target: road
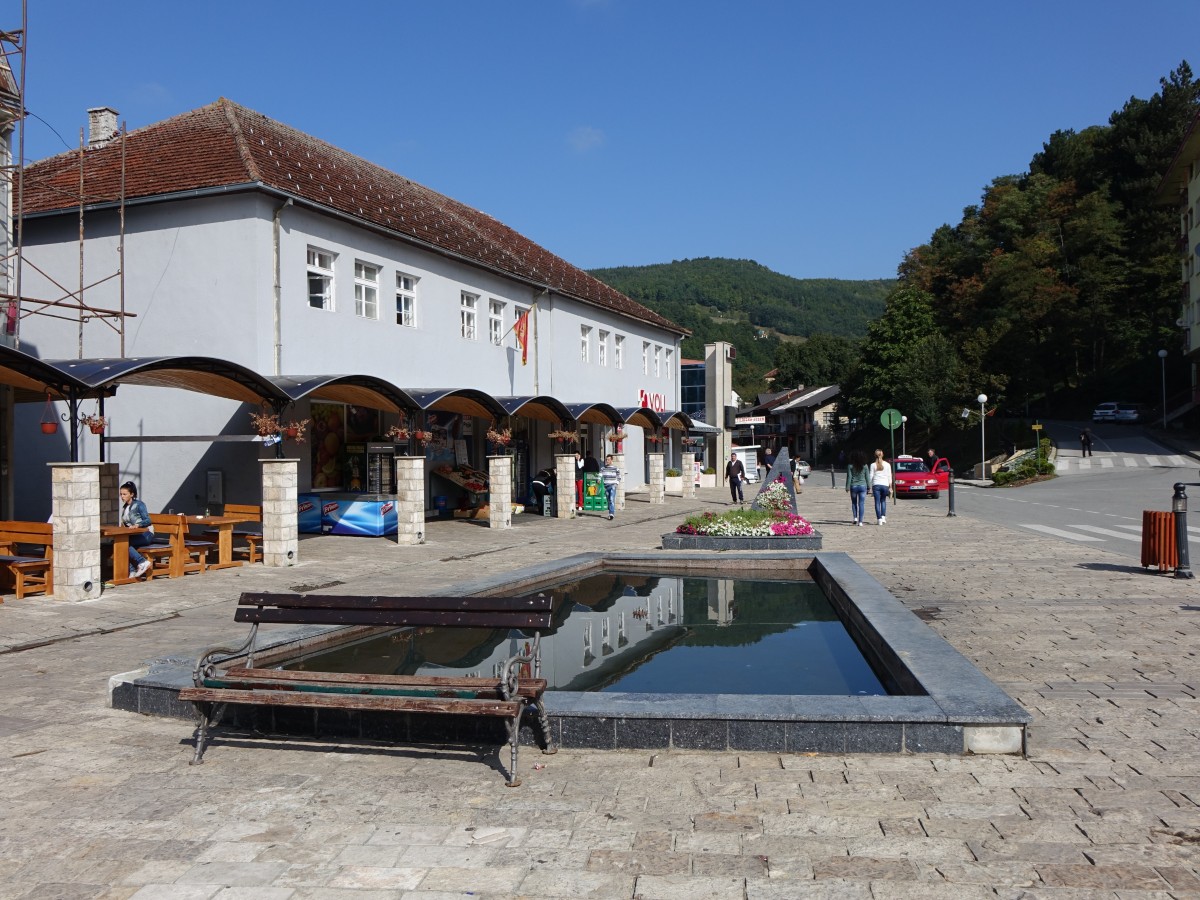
{"points": [[1098, 500]]}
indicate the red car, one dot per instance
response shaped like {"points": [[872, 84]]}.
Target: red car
{"points": [[913, 478]]}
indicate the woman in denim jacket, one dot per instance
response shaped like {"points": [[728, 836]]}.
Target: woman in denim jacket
{"points": [[857, 479], [135, 515]]}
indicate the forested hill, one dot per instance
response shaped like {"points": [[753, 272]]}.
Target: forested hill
{"points": [[704, 294]]}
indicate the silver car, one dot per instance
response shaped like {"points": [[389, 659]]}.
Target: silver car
{"points": [[1104, 412], [803, 469]]}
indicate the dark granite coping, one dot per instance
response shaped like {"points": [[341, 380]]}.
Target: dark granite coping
{"points": [[945, 688]]}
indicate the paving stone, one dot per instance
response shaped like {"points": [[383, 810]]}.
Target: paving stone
{"points": [[545, 883]]}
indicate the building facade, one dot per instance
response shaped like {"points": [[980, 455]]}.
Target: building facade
{"points": [[248, 241], [1180, 188]]}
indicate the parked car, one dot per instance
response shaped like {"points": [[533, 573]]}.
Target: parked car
{"points": [[1127, 412], [803, 469], [1104, 412], [913, 478]]}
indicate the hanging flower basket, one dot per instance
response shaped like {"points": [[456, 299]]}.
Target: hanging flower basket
{"points": [[49, 427], [266, 423], [49, 422], [294, 430], [96, 424]]}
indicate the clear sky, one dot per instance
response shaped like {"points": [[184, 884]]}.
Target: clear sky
{"points": [[820, 139]]}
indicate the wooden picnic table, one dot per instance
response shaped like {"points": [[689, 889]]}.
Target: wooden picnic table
{"points": [[120, 538], [223, 526]]}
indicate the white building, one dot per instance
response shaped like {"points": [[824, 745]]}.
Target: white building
{"points": [[249, 241]]}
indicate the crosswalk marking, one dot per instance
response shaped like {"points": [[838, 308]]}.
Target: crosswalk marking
{"points": [[1094, 529], [1057, 532], [1092, 463]]}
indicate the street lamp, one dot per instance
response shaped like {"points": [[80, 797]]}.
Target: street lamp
{"points": [[1162, 354], [981, 400], [903, 439]]}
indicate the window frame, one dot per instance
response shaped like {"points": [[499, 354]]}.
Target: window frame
{"points": [[468, 315], [645, 357], [313, 259], [618, 351], [406, 296], [366, 289], [495, 321], [602, 348], [585, 343]]}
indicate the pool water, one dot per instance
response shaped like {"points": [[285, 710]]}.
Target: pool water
{"points": [[648, 634]]}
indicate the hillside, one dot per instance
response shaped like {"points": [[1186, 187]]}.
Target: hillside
{"points": [[749, 305]]}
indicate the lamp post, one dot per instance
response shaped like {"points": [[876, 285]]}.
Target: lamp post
{"points": [[981, 400], [1162, 355], [903, 438], [1183, 568]]}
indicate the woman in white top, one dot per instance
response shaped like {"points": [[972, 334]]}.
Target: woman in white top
{"points": [[881, 486]]}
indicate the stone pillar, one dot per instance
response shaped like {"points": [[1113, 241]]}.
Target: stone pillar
{"points": [[280, 512], [500, 491], [75, 502], [410, 500], [110, 493], [619, 499], [689, 478], [564, 484], [658, 487]]}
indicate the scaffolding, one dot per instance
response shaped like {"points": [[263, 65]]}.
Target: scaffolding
{"points": [[69, 303]]}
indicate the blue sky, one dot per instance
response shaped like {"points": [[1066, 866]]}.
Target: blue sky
{"points": [[820, 139]]}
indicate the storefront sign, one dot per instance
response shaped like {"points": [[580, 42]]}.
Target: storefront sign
{"points": [[751, 420], [655, 401]]}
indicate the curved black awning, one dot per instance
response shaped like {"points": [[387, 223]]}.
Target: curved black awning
{"points": [[676, 419], [596, 414], [641, 416], [203, 374], [467, 401], [543, 408], [33, 378], [357, 390]]}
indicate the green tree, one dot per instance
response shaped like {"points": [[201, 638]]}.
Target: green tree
{"points": [[821, 360]]}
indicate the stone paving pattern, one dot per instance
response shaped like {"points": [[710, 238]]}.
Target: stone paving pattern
{"points": [[99, 803]]}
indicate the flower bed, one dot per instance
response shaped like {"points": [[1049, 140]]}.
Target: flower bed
{"points": [[744, 529]]}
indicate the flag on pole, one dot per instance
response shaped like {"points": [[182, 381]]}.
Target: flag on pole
{"points": [[521, 330]]}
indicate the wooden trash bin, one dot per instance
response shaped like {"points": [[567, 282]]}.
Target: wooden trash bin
{"points": [[1158, 540]]}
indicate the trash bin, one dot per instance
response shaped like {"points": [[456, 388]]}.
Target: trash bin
{"points": [[441, 504], [1158, 540]]}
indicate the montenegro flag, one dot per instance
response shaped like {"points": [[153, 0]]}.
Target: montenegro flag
{"points": [[521, 330]]}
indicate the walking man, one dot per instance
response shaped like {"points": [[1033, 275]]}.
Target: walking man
{"points": [[736, 473], [611, 476], [1085, 442]]}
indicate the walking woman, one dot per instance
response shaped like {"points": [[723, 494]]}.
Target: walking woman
{"points": [[857, 479], [881, 486]]}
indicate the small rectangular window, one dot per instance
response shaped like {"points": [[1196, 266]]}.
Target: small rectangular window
{"points": [[320, 278], [495, 320], [467, 311], [585, 341], [366, 290], [645, 357], [619, 351], [406, 300], [602, 348], [670, 363]]}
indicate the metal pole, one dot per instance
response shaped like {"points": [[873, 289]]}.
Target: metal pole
{"points": [[982, 441], [1179, 508], [1162, 355], [832, 477], [950, 494]]}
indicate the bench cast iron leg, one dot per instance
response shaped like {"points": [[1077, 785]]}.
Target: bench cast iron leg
{"points": [[548, 747], [514, 733], [207, 715]]}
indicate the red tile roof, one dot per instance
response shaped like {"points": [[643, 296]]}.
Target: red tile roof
{"points": [[226, 145]]}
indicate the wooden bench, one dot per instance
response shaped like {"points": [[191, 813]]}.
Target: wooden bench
{"points": [[250, 539], [30, 574], [516, 687], [175, 553]]}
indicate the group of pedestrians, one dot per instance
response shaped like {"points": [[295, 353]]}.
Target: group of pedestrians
{"points": [[862, 476]]}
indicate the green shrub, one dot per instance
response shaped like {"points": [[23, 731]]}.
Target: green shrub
{"points": [[709, 470], [673, 473]]}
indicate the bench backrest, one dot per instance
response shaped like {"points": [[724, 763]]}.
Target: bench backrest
{"points": [[243, 511], [170, 526], [455, 612], [27, 532]]}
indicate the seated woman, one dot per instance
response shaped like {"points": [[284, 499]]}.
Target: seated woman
{"points": [[135, 515]]}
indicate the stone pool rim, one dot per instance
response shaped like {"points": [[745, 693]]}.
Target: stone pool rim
{"points": [[961, 710]]}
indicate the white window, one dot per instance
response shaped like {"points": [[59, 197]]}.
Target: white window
{"points": [[466, 315], [645, 357], [585, 341], [320, 278], [406, 300], [495, 320], [657, 361], [619, 351], [366, 290], [670, 363], [602, 348]]}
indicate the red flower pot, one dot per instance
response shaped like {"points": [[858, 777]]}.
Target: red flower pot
{"points": [[49, 427]]}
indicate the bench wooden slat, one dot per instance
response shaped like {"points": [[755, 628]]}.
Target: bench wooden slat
{"points": [[395, 618], [539, 603], [506, 708], [30, 574], [529, 687]]}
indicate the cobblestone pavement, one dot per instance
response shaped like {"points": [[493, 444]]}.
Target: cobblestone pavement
{"points": [[97, 803]]}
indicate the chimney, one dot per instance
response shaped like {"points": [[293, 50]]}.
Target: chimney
{"points": [[102, 126]]}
